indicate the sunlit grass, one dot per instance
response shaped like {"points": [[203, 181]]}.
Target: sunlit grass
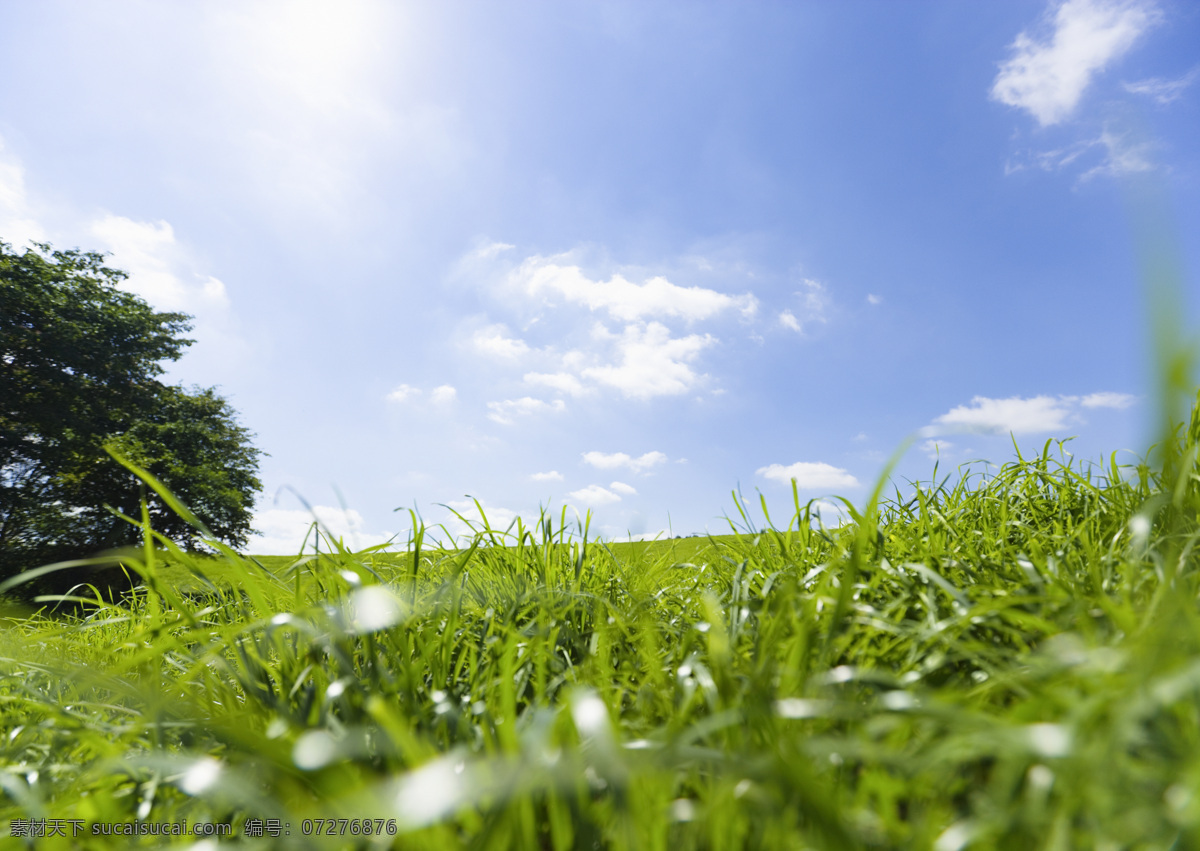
{"points": [[999, 661]]}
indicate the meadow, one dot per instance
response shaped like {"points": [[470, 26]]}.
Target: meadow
{"points": [[1003, 659]]}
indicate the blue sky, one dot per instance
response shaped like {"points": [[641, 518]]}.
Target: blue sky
{"points": [[625, 256]]}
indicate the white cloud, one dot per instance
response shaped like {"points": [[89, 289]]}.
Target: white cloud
{"points": [[814, 306], [495, 342], [403, 393], [18, 224], [281, 531], [625, 300], [614, 460], [1017, 415], [1163, 91], [810, 475], [816, 300], [1056, 159], [644, 357], [490, 250], [160, 269], [563, 382], [149, 252], [642, 362], [442, 395], [504, 412], [1001, 416], [874, 299], [594, 496], [622, 488], [1119, 401], [1048, 76], [934, 448], [1123, 155], [653, 363], [552, 476]]}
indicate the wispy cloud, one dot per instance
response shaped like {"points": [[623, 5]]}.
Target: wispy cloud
{"points": [[1049, 72], [814, 307], [615, 460], [403, 393], [1017, 415], [594, 496], [809, 475], [1052, 160], [563, 382], [1162, 91], [407, 394], [622, 299], [622, 488], [494, 341], [489, 251], [1121, 153], [934, 448], [814, 297], [1120, 401], [507, 411]]}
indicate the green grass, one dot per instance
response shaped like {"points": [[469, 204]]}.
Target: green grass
{"points": [[230, 572], [1001, 661]]}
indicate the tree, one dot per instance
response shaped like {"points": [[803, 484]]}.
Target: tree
{"points": [[79, 366]]}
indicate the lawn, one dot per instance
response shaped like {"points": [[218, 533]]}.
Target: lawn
{"points": [[1000, 660]]}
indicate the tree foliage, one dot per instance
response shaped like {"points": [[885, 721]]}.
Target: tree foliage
{"points": [[80, 361]]}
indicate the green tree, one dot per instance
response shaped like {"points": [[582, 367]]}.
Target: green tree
{"points": [[79, 366]]}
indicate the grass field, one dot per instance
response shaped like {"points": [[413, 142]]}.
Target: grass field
{"points": [[1000, 661]]}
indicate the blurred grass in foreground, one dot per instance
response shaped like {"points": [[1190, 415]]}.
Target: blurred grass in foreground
{"points": [[1009, 662]]}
